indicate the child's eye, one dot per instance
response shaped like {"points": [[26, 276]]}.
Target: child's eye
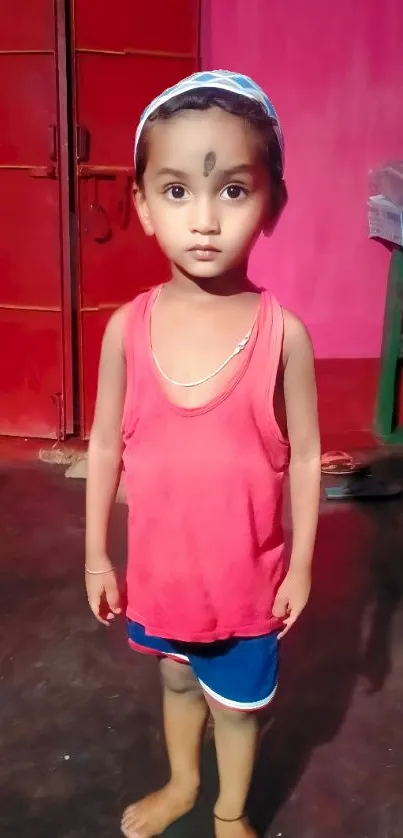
{"points": [[234, 192], [175, 192]]}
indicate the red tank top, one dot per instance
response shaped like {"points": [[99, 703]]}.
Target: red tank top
{"points": [[204, 489]]}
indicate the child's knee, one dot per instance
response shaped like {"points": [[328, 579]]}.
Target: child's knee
{"points": [[229, 716], [178, 678]]}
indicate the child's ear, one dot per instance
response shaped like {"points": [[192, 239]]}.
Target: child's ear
{"points": [[276, 209], [270, 222], [269, 225], [141, 206]]}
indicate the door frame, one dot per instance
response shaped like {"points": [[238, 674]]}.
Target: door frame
{"points": [[67, 405]]}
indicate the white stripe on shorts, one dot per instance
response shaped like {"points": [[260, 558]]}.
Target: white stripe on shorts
{"points": [[174, 655], [238, 705]]}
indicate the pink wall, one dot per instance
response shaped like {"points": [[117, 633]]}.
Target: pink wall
{"points": [[335, 74]]}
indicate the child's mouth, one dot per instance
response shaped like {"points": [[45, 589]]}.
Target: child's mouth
{"points": [[204, 253]]}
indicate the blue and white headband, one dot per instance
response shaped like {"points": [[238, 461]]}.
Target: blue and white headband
{"points": [[218, 80]]}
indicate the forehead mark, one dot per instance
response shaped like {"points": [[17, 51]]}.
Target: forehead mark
{"points": [[209, 163]]}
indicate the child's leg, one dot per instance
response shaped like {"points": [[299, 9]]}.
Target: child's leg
{"points": [[236, 736], [185, 713]]}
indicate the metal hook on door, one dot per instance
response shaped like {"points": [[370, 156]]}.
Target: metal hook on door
{"points": [[100, 221], [97, 223], [83, 141]]}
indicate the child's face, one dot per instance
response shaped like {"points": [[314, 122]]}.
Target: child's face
{"points": [[206, 193]]}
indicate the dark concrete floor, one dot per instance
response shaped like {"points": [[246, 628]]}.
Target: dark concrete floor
{"points": [[80, 714]]}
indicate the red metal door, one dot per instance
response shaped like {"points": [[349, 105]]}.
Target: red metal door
{"points": [[35, 357], [125, 53]]}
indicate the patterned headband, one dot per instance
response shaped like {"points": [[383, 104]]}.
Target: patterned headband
{"points": [[217, 80]]}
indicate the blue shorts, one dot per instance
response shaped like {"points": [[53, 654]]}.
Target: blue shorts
{"points": [[240, 673]]}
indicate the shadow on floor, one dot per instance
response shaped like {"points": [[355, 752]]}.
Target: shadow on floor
{"points": [[80, 714], [343, 642]]}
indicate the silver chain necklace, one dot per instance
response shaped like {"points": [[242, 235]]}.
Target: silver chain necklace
{"points": [[239, 348]]}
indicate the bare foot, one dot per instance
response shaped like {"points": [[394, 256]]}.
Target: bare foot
{"points": [[238, 829], [158, 811]]}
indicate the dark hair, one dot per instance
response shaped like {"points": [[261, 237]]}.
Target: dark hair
{"points": [[247, 109]]}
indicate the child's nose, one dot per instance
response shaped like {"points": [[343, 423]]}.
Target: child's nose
{"points": [[204, 217]]}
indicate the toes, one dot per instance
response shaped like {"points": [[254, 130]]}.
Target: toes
{"points": [[130, 815], [129, 832], [131, 823]]}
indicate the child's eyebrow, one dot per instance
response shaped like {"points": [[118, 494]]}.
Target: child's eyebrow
{"points": [[171, 173], [241, 169]]}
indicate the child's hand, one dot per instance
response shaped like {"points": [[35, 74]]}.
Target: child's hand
{"points": [[103, 591], [292, 597]]}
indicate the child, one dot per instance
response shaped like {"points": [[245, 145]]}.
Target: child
{"points": [[207, 392]]}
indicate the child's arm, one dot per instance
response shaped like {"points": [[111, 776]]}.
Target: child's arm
{"points": [[303, 434], [104, 467]]}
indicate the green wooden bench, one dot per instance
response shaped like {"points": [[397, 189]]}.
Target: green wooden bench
{"points": [[386, 426]]}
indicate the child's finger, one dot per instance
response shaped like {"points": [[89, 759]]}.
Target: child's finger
{"points": [[280, 607], [288, 624], [113, 597], [95, 606]]}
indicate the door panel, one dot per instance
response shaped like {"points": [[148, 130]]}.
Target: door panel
{"points": [[121, 63], [112, 92], [31, 393], [33, 371], [29, 240], [124, 53], [127, 261], [27, 109], [23, 30], [169, 26]]}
